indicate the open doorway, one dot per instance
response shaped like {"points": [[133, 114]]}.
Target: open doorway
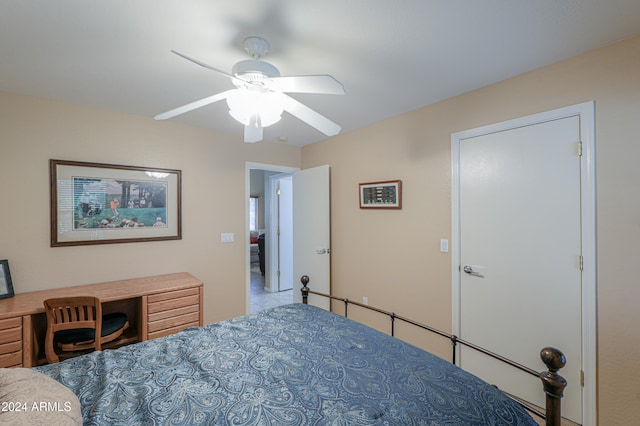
{"points": [[270, 234]]}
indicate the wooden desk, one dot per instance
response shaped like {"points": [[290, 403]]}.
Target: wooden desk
{"points": [[156, 306]]}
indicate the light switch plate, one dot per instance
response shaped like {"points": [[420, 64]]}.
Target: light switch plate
{"points": [[227, 237], [444, 246]]}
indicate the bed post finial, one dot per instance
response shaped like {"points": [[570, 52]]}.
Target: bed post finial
{"points": [[553, 383], [305, 290]]}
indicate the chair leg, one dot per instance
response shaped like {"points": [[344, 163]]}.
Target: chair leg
{"points": [[49, 350]]}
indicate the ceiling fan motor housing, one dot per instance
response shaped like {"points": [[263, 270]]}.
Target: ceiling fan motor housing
{"points": [[254, 70]]}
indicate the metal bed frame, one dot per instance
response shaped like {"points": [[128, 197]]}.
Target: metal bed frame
{"points": [[552, 382]]}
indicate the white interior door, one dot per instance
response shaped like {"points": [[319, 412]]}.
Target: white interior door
{"points": [[279, 238], [311, 233], [521, 254], [285, 234]]}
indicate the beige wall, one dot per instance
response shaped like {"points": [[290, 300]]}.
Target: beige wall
{"points": [[393, 257], [213, 170]]}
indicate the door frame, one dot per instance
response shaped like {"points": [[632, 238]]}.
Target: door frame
{"points": [[586, 112], [249, 165]]}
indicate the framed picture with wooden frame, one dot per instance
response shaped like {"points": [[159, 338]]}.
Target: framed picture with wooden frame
{"points": [[381, 195], [6, 285], [94, 203]]}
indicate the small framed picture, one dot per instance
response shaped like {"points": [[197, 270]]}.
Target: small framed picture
{"points": [[381, 195], [6, 286]]}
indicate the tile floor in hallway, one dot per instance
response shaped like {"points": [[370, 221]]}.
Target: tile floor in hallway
{"points": [[261, 299]]}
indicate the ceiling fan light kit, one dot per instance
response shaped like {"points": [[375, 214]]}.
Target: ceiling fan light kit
{"points": [[244, 104], [259, 98]]}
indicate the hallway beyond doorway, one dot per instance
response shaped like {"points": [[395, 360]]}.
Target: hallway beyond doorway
{"points": [[261, 299]]}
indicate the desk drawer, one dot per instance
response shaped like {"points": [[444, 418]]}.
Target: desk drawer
{"points": [[154, 298], [11, 335], [173, 299], [10, 323], [13, 359], [161, 315], [170, 312], [173, 322], [11, 342], [168, 331]]}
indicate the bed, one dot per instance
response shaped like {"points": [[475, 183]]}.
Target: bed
{"points": [[290, 365]]}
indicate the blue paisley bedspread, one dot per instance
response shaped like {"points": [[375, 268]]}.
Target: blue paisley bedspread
{"points": [[290, 365]]}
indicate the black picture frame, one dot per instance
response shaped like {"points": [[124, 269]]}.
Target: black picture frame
{"points": [[6, 285], [381, 195]]}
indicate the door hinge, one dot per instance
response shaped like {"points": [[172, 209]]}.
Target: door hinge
{"points": [[582, 378], [581, 263], [278, 192], [579, 148]]}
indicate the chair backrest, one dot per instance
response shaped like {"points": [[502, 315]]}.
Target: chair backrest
{"points": [[68, 313]]}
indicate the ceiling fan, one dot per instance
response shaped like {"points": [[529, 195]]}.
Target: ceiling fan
{"points": [[260, 94]]}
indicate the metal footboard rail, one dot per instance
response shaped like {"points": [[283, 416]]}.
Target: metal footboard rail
{"points": [[553, 383]]}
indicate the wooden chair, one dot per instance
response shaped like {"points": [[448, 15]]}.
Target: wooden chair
{"points": [[74, 322]]}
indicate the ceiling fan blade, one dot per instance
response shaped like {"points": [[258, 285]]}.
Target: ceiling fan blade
{"points": [[193, 105], [309, 116], [320, 84], [202, 64], [253, 130]]}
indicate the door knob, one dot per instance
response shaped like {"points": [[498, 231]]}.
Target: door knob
{"points": [[469, 270], [322, 251]]}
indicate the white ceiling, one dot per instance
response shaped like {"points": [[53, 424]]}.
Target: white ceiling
{"points": [[391, 56]]}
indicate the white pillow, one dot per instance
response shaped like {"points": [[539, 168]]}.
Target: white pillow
{"points": [[28, 397]]}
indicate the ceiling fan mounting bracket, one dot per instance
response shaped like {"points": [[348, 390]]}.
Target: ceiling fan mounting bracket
{"points": [[255, 46], [254, 70]]}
